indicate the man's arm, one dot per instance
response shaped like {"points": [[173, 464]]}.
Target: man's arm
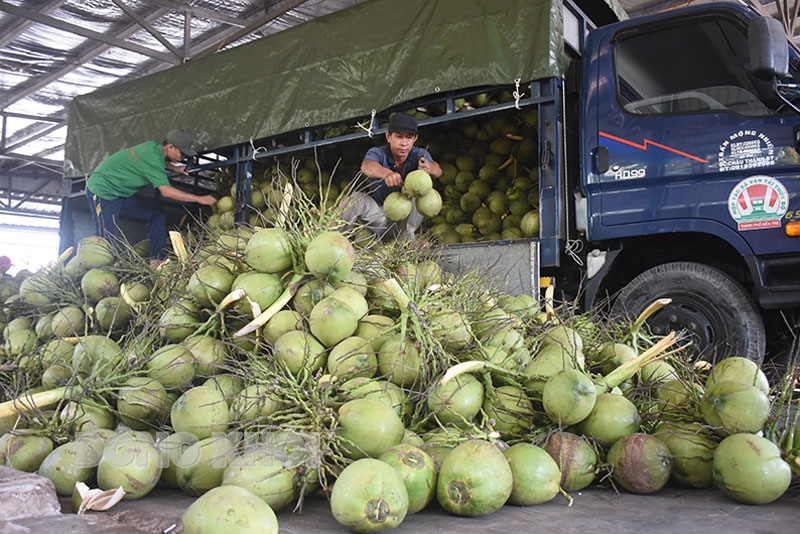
{"points": [[174, 193], [373, 169], [431, 167]]}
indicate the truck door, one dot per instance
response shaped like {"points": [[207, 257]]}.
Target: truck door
{"points": [[683, 145], [695, 142]]}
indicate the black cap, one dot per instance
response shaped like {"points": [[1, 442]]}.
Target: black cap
{"points": [[182, 140], [403, 122]]}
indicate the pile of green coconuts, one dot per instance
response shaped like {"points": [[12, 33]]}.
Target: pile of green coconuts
{"points": [[297, 355]]}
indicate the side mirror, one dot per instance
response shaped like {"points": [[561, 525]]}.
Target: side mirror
{"points": [[769, 48]]}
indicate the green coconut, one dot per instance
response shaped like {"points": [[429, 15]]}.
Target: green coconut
{"points": [[94, 251], [56, 375], [452, 329], [269, 251], [612, 418], [85, 416], [548, 361], [368, 426], [142, 402], [417, 470], [74, 461], [569, 397], [130, 461], [418, 183], [201, 466], [99, 283], [208, 352], [178, 321], [330, 255], [297, 349], [202, 411], [640, 463], [658, 372], [96, 354], [612, 354], [43, 328], [261, 471], [510, 410], [68, 321], [750, 470], [565, 336], [332, 320], [397, 206], [352, 357], [692, 447], [737, 369], [172, 448], [24, 450], [254, 403], [261, 288], [228, 385], [20, 342], [457, 400], [56, 351], [172, 365], [228, 509], [36, 290], [282, 322], [735, 407], [112, 313], [475, 479], [369, 496], [353, 298], [376, 329], [209, 285], [576, 458], [309, 294], [535, 474], [429, 204], [362, 387], [399, 360]]}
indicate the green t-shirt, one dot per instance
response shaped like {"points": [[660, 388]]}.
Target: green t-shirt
{"points": [[124, 173]]}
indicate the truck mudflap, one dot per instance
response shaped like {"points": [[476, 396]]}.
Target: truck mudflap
{"points": [[513, 266]]}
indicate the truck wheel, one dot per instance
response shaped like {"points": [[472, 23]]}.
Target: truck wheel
{"points": [[720, 317]]}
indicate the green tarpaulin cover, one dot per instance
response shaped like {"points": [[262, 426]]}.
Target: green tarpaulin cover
{"points": [[372, 56]]}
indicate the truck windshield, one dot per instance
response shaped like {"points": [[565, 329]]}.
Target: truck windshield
{"points": [[691, 66]]}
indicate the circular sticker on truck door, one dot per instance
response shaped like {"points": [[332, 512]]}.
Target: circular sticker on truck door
{"points": [[758, 202]]}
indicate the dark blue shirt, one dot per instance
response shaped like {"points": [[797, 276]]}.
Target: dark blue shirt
{"points": [[383, 155]]}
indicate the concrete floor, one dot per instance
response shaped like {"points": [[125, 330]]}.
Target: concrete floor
{"points": [[596, 510]]}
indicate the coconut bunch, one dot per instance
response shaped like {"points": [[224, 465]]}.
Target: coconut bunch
{"points": [[291, 356]]}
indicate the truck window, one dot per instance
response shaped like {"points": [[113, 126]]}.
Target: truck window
{"points": [[690, 66]]}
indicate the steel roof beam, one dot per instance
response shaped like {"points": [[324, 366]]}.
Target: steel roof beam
{"points": [[146, 25], [83, 32], [42, 81]]}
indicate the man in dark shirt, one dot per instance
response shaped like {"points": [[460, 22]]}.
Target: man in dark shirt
{"points": [[386, 167]]}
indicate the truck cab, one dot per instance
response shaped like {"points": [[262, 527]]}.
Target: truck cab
{"points": [[689, 183]]}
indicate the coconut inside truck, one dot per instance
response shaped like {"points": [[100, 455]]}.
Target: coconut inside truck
{"points": [[621, 161]]}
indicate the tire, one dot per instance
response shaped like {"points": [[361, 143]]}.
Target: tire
{"points": [[716, 311]]}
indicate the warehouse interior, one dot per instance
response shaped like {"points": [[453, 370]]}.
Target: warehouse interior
{"points": [[53, 51]]}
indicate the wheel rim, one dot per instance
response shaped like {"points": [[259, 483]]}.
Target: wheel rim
{"points": [[691, 316]]}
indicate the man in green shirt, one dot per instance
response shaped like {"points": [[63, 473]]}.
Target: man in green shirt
{"points": [[112, 188]]}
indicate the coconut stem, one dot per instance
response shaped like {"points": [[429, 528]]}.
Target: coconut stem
{"points": [[650, 310], [178, 246], [28, 403], [276, 306], [566, 495], [393, 287], [632, 366]]}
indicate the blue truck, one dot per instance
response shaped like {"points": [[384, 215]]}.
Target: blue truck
{"points": [[667, 145]]}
